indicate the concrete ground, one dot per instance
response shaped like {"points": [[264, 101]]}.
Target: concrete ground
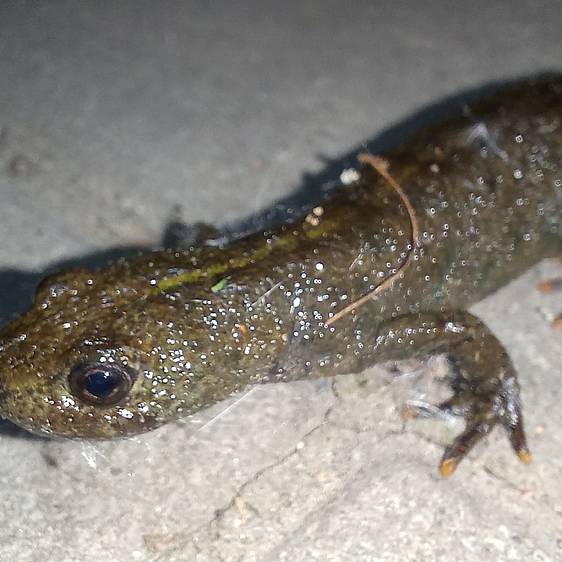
{"points": [[116, 117]]}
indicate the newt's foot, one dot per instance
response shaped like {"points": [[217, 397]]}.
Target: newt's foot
{"points": [[477, 427], [482, 409], [551, 286], [483, 380], [178, 235]]}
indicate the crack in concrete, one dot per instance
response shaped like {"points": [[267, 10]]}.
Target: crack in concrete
{"points": [[273, 553], [525, 492], [220, 513], [212, 526]]}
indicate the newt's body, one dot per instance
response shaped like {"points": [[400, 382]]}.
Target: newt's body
{"points": [[160, 336]]}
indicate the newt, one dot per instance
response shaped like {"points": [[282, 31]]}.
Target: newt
{"points": [[383, 268]]}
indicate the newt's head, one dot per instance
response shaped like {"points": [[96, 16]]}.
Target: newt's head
{"points": [[97, 358]]}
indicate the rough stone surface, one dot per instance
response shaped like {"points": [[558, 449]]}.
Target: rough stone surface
{"points": [[112, 114]]}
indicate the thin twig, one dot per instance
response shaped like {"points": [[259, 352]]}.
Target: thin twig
{"points": [[381, 166]]}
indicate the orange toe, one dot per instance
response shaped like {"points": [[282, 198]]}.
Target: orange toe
{"points": [[550, 286], [448, 467], [525, 456]]}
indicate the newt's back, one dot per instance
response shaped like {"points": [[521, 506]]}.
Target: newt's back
{"points": [[488, 189]]}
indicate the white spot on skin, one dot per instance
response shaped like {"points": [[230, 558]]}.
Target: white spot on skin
{"points": [[67, 401], [454, 328], [349, 176], [143, 408], [127, 414]]}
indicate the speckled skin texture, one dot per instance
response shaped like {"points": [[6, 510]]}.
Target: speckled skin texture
{"points": [[197, 325]]}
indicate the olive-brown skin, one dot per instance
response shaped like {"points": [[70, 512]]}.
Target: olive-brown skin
{"points": [[197, 325]]}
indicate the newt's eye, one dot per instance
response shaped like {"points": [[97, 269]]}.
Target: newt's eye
{"points": [[100, 385]]}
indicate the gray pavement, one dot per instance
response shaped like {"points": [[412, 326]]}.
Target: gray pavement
{"points": [[113, 114]]}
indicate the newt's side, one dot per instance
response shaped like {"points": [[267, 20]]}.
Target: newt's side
{"points": [[384, 269]]}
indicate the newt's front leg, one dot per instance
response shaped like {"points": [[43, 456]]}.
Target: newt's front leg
{"points": [[484, 381]]}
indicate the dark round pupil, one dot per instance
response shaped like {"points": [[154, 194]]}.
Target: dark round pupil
{"points": [[101, 383]]}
